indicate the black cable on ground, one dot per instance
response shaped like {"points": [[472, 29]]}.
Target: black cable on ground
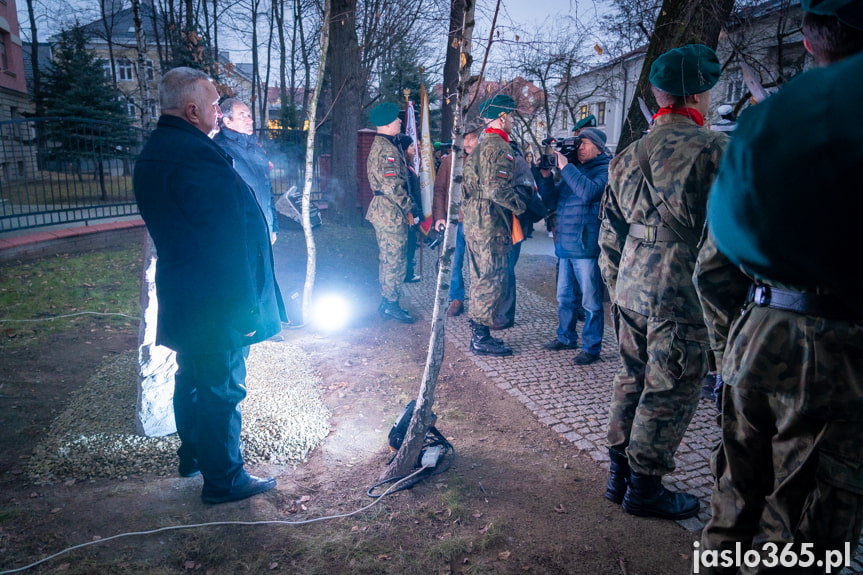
{"points": [[433, 438]]}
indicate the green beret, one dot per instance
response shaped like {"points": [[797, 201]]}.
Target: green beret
{"points": [[691, 69], [384, 114], [783, 204], [849, 12], [586, 122], [497, 106]]}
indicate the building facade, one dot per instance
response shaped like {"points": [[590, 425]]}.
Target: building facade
{"points": [[766, 37], [15, 103]]}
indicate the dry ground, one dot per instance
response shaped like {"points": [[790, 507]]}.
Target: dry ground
{"points": [[518, 498]]}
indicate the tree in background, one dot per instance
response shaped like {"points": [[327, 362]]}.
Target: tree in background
{"points": [[76, 88], [679, 22], [400, 72], [345, 92]]}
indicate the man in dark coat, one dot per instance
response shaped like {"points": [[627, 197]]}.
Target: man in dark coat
{"points": [[215, 284], [237, 137]]}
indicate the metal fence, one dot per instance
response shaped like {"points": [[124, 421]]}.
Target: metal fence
{"points": [[65, 170]]}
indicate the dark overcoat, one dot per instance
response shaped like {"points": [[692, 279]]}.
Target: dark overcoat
{"points": [[215, 282]]}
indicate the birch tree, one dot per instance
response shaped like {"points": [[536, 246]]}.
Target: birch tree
{"points": [[405, 460], [310, 162]]}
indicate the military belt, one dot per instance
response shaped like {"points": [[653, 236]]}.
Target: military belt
{"points": [[652, 234], [827, 306]]}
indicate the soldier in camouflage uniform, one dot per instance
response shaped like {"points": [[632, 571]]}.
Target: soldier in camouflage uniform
{"points": [[789, 469], [489, 203], [652, 219], [389, 210]]}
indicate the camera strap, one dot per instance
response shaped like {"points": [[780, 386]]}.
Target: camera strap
{"points": [[688, 235]]}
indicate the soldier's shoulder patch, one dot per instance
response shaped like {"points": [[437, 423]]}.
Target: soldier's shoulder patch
{"points": [[391, 159], [509, 157], [502, 174], [390, 173]]}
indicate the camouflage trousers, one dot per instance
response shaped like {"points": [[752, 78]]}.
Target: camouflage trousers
{"points": [[392, 256], [789, 468], [656, 389], [489, 279]]}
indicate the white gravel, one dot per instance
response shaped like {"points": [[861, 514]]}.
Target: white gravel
{"points": [[284, 418]]}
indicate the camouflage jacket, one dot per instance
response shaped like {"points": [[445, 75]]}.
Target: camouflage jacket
{"points": [[814, 363], [489, 195], [722, 289], [655, 279], [391, 203]]}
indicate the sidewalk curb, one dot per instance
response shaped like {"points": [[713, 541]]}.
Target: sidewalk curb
{"points": [[67, 240]]}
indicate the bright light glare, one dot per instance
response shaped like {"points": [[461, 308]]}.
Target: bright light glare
{"points": [[330, 313]]}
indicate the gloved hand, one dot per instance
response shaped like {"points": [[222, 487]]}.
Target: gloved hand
{"points": [[717, 391]]}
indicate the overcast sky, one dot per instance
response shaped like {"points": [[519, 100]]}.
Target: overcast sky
{"points": [[537, 11]]}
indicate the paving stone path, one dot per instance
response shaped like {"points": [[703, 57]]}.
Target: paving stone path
{"points": [[573, 400]]}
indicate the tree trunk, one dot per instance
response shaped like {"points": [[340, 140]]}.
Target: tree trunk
{"points": [[404, 462], [37, 83], [279, 17], [679, 22], [256, 74], [450, 69], [346, 92], [108, 26], [141, 48], [265, 116], [310, 163]]}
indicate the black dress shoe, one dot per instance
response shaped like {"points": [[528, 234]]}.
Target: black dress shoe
{"points": [[557, 345], [584, 358], [252, 486], [188, 469]]}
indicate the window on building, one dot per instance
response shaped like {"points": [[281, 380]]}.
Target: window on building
{"points": [[125, 70], [153, 109], [149, 70], [4, 58], [131, 109], [734, 86], [583, 112], [600, 113]]}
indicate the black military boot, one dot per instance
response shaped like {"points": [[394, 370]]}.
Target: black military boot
{"points": [[391, 310], [618, 476], [647, 497], [481, 342]]}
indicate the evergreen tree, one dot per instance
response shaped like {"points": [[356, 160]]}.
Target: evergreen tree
{"points": [[92, 123], [400, 72]]}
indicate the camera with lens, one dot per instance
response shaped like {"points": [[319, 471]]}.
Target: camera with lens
{"points": [[434, 237], [566, 146]]}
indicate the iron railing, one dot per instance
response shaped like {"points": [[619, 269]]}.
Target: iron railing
{"points": [[56, 171]]}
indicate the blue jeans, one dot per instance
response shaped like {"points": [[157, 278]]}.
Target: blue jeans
{"points": [[572, 274], [456, 284]]}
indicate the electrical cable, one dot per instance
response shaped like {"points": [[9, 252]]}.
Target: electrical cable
{"points": [[389, 491], [436, 439], [4, 320]]}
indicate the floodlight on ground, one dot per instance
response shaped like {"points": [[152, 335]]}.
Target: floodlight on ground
{"points": [[330, 312]]}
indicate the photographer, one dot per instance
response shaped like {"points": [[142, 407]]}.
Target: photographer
{"points": [[576, 200]]}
